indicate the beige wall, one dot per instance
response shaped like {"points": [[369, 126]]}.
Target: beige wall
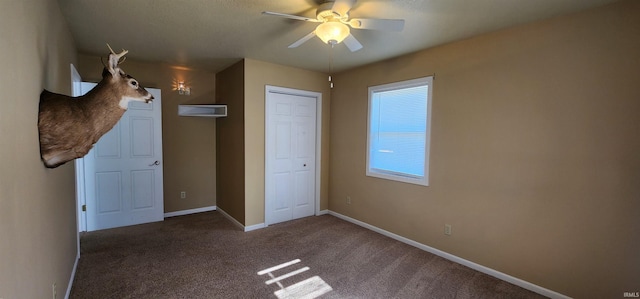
{"points": [[534, 152], [230, 142], [258, 74], [188, 143], [38, 232]]}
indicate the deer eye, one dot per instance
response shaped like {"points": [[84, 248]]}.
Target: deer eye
{"points": [[134, 83]]}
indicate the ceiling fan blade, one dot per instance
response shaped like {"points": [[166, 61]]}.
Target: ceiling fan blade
{"points": [[378, 24], [288, 16], [303, 40], [342, 7], [352, 43]]}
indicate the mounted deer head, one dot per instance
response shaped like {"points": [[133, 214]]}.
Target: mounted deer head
{"points": [[70, 126]]}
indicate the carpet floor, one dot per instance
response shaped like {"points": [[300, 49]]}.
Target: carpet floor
{"points": [[204, 255]]}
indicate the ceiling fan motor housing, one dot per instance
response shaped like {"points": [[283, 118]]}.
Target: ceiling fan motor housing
{"points": [[325, 13]]}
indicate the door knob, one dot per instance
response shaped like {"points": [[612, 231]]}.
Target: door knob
{"points": [[155, 163]]}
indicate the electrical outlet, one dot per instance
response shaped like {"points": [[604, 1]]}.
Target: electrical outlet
{"points": [[183, 194], [447, 229], [348, 200], [54, 289]]}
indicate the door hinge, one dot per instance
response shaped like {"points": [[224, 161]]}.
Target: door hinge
{"points": [[84, 208]]}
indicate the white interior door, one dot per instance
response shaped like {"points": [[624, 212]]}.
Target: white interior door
{"points": [[123, 172], [290, 178]]}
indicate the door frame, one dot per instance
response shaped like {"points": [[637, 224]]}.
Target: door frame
{"points": [[76, 81], [80, 183], [76, 91], [318, 148]]}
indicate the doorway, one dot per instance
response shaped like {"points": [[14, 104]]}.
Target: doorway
{"points": [[120, 181]]}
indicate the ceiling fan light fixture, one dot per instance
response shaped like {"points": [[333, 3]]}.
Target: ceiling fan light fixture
{"points": [[332, 32]]}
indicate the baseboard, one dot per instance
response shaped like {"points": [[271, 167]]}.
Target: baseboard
{"points": [[233, 220], [73, 276], [254, 227], [240, 225], [263, 225], [497, 274], [190, 211]]}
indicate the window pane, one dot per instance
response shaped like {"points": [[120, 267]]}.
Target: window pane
{"points": [[399, 152], [398, 130]]}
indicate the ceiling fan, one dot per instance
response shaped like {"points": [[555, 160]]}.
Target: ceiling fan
{"points": [[333, 29]]}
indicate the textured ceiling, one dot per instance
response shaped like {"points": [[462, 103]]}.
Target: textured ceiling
{"points": [[213, 34]]}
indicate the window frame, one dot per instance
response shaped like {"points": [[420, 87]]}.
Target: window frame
{"points": [[390, 175]]}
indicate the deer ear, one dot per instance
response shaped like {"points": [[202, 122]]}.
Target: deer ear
{"points": [[112, 66]]}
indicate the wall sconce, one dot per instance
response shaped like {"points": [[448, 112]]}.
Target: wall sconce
{"points": [[183, 89]]}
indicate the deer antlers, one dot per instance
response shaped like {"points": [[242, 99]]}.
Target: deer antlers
{"points": [[114, 60], [118, 56]]}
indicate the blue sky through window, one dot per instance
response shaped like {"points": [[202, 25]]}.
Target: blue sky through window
{"points": [[403, 110], [398, 124]]}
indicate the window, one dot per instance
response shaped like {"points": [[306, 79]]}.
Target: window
{"points": [[398, 131]]}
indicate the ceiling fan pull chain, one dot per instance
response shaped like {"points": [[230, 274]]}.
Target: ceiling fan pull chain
{"points": [[330, 66]]}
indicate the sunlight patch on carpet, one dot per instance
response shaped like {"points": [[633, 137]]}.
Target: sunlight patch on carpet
{"points": [[312, 287]]}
